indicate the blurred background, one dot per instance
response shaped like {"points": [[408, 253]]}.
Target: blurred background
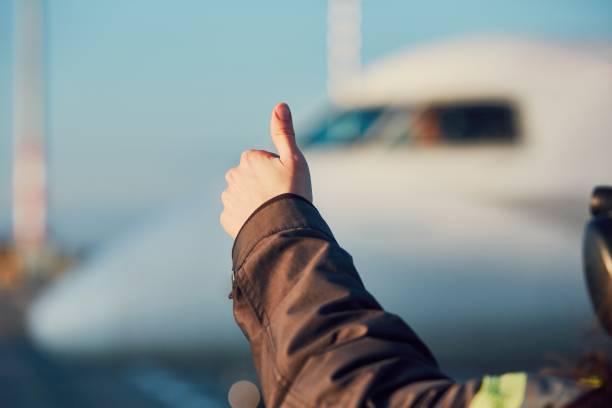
{"points": [[453, 147]]}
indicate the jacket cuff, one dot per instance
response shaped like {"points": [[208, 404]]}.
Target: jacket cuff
{"points": [[283, 212]]}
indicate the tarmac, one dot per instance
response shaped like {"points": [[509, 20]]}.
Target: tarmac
{"points": [[31, 378]]}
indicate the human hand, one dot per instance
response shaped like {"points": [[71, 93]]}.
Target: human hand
{"points": [[262, 175]]}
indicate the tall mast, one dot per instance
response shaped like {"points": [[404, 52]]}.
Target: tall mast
{"points": [[29, 166], [343, 44]]}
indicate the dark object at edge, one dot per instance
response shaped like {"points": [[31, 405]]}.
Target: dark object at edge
{"points": [[597, 255]]}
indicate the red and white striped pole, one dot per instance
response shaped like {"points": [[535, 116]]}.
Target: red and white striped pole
{"points": [[343, 44], [29, 166]]}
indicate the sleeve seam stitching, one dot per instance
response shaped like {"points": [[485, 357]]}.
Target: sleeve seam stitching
{"points": [[276, 231]]}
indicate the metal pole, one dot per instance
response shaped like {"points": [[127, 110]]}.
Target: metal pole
{"points": [[343, 44], [29, 166]]}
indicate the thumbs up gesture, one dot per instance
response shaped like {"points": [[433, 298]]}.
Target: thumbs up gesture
{"points": [[262, 175]]}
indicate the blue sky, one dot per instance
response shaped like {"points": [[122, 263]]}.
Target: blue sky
{"points": [[149, 100]]}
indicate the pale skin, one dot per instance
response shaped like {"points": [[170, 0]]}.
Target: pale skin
{"points": [[262, 175]]}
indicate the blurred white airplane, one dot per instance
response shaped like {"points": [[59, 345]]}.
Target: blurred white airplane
{"points": [[458, 177]]}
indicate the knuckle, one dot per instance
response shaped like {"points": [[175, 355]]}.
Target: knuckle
{"points": [[229, 175], [253, 154], [266, 154], [263, 154], [285, 130], [246, 155]]}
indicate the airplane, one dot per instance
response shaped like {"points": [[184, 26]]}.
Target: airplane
{"points": [[457, 174]]}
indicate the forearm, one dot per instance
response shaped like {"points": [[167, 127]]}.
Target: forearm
{"points": [[317, 336]]}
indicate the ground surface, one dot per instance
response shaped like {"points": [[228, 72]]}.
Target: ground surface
{"points": [[30, 378]]}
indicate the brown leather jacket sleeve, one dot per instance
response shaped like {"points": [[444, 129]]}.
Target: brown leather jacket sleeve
{"points": [[318, 338]]}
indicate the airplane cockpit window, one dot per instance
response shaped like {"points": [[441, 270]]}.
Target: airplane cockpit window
{"points": [[452, 123], [343, 128], [464, 123]]}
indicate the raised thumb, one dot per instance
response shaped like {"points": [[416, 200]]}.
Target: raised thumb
{"points": [[283, 135]]}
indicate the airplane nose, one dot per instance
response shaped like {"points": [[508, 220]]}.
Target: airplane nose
{"points": [[71, 318], [162, 288]]}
